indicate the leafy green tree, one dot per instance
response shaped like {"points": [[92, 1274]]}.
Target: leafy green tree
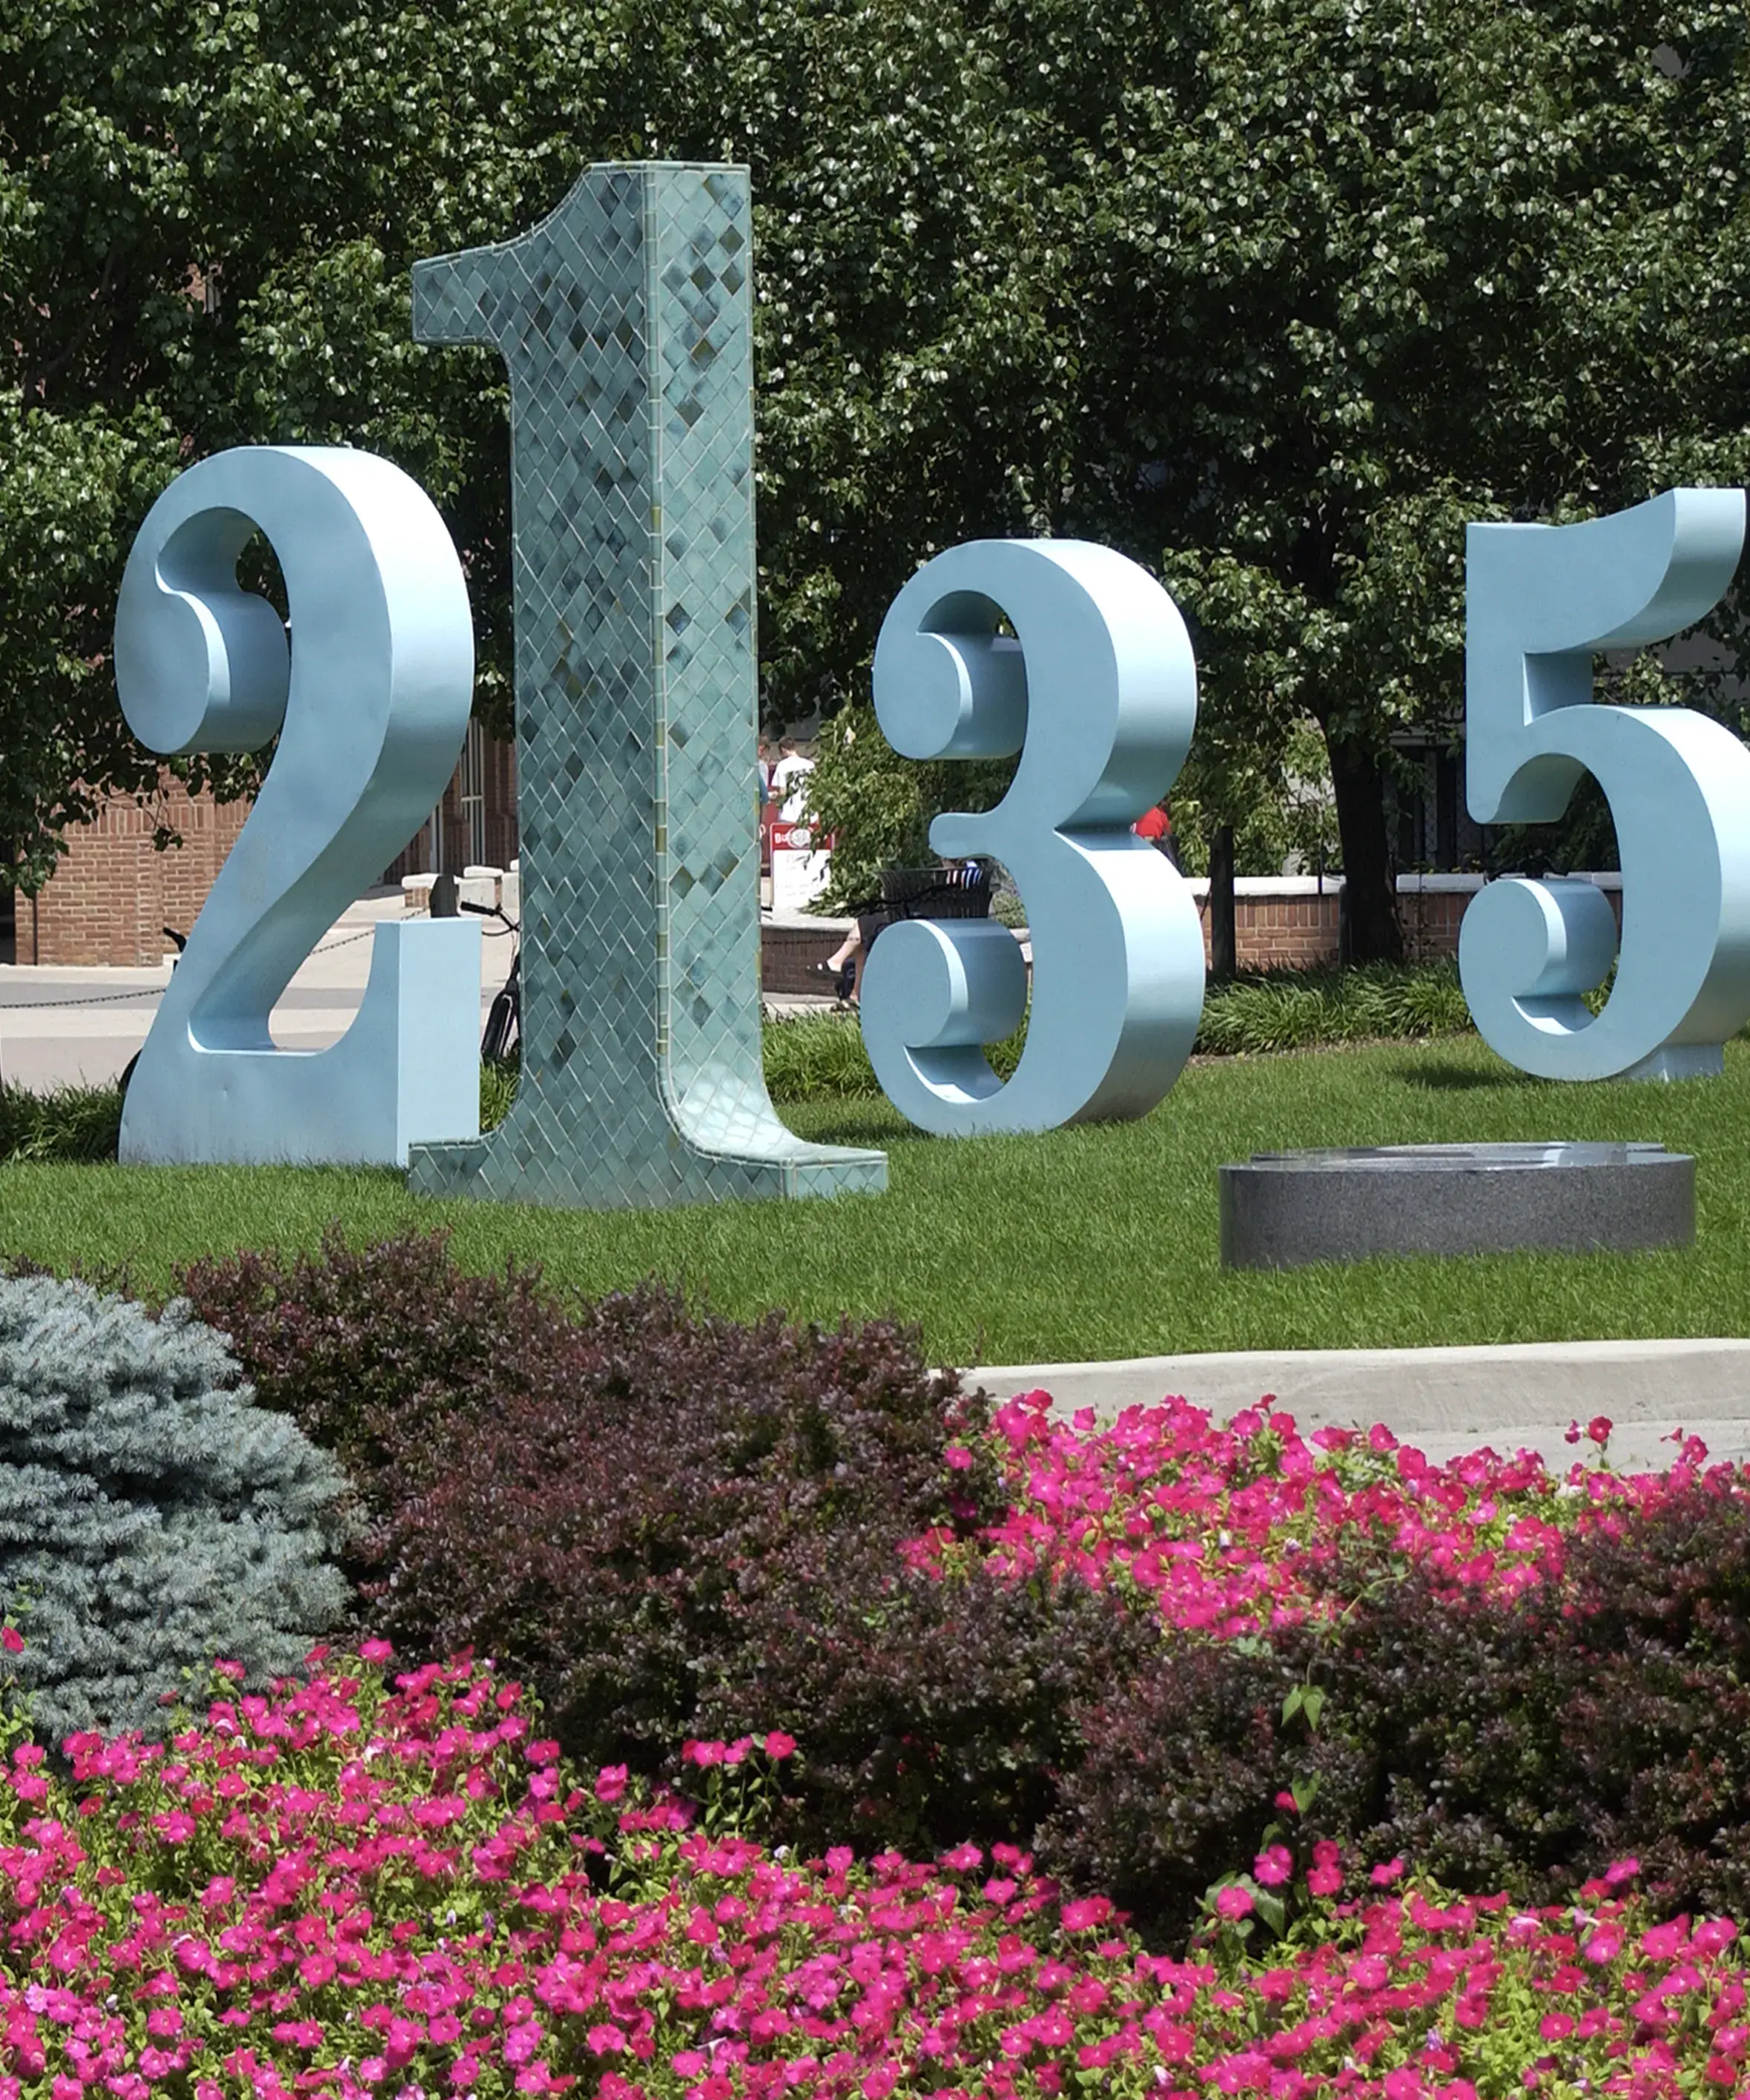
{"points": [[1272, 298], [206, 221], [1358, 270]]}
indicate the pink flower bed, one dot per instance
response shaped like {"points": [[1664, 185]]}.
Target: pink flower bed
{"points": [[352, 1890], [1234, 1530]]}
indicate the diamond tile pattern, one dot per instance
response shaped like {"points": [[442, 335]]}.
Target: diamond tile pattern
{"points": [[624, 320]]}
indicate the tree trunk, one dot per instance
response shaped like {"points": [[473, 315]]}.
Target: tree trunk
{"points": [[1374, 935], [1224, 945]]}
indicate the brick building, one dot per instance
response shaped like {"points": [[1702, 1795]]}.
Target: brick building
{"points": [[113, 893]]}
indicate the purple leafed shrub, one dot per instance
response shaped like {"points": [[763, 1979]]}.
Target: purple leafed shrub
{"points": [[670, 1523], [1179, 1764], [628, 1531], [353, 1340], [675, 1526], [1527, 1745]]}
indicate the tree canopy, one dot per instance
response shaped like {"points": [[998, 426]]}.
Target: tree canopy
{"points": [[1272, 298]]}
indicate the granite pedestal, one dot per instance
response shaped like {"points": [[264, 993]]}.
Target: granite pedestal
{"points": [[1281, 1210]]}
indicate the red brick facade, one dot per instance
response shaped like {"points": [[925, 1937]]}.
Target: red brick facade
{"points": [[1293, 932], [1280, 933], [1276, 928], [114, 894]]}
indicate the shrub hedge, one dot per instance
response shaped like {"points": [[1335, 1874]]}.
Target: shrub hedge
{"points": [[673, 1526], [151, 1519], [817, 1056], [1521, 1744]]}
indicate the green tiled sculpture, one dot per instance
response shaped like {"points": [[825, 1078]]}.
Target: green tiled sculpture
{"points": [[623, 318]]}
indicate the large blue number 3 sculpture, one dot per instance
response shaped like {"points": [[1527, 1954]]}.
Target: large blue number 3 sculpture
{"points": [[1097, 691], [1541, 600], [371, 702]]}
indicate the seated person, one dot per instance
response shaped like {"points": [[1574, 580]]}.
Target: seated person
{"points": [[844, 965]]}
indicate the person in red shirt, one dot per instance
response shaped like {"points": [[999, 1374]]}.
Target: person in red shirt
{"points": [[1156, 826]]}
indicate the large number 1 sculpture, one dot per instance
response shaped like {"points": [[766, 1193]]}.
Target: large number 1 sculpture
{"points": [[624, 319]]}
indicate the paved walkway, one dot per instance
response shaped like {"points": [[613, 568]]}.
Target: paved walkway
{"points": [[1446, 1401], [59, 1026]]}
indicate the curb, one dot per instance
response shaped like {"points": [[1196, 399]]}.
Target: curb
{"points": [[1446, 1402]]}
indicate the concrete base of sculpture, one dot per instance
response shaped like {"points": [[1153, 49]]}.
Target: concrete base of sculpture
{"points": [[1281, 1210]]}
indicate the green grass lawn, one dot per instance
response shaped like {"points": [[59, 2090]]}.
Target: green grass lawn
{"points": [[1081, 1243]]}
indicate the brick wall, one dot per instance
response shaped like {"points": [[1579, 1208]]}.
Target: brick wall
{"points": [[1275, 933], [1280, 933], [1275, 928], [1287, 923], [113, 894]]}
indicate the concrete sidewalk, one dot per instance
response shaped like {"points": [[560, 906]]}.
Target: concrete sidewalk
{"points": [[61, 1026], [1445, 1401]]}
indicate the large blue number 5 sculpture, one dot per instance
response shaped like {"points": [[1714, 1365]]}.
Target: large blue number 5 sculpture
{"points": [[1541, 600], [1097, 690], [371, 702]]}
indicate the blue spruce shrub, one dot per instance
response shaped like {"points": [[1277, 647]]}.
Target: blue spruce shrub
{"points": [[153, 1518]]}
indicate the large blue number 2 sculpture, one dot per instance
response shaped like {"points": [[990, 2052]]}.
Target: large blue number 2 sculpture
{"points": [[371, 701], [1541, 600], [1096, 688]]}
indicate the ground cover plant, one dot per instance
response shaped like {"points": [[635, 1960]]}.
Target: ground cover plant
{"points": [[1123, 1641], [1079, 1243], [349, 1889], [69, 1123], [816, 1057]]}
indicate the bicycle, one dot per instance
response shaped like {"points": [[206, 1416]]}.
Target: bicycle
{"points": [[181, 941], [502, 1038]]}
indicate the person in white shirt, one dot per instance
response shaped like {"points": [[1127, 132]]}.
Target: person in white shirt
{"points": [[790, 781]]}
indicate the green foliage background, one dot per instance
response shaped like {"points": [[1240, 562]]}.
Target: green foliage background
{"points": [[1273, 298]]}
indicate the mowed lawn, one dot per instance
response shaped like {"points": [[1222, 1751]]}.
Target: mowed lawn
{"points": [[1081, 1243]]}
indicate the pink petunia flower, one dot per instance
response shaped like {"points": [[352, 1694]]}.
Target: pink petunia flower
{"points": [[1273, 1866], [610, 1783]]}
